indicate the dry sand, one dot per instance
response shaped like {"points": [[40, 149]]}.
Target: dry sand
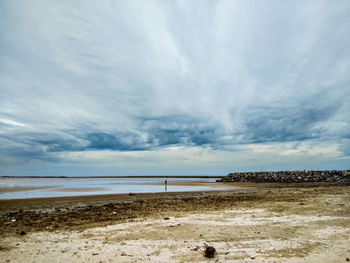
{"points": [[303, 224]]}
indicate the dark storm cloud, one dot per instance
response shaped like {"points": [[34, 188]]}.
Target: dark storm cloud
{"points": [[178, 130], [284, 123], [152, 133], [123, 141], [267, 124]]}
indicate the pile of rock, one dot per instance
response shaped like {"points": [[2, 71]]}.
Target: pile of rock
{"points": [[335, 176]]}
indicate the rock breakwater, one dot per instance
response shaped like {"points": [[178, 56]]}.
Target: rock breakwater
{"points": [[334, 176]]}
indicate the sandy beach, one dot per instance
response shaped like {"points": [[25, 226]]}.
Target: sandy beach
{"points": [[265, 223]]}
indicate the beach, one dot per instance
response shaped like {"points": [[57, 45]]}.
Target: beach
{"points": [[174, 131], [263, 223]]}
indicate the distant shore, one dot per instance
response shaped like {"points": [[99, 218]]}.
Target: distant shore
{"points": [[123, 176]]}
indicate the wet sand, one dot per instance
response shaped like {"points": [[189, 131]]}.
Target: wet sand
{"points": [[79, 189], [268, 223], [19, 189]]}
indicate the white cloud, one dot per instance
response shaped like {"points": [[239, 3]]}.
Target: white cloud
{"points": [[121, 75]]}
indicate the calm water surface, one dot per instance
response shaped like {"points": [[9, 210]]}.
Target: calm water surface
{"points": [[106, 185]]}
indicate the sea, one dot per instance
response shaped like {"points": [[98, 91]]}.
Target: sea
{"points": [[55, 187]]}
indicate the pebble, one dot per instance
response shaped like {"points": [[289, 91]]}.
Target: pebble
{"points": [[335, 176]]}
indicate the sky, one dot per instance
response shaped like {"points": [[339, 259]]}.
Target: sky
{"points": [[173, 87]]}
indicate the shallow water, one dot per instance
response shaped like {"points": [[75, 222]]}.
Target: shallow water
{"points": [[60, 186]]}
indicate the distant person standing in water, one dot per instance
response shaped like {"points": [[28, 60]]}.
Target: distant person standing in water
{"points": [[166, 185]]}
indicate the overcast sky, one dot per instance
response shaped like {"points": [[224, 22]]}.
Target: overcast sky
{"points": [[173, 87]]}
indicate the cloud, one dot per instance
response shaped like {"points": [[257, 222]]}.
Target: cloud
{"points": [[119, 76], [345, 146], [286, 123]]}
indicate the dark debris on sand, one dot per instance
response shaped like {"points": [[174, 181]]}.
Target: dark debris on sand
{"points": [[85, 216], [209, 252]]}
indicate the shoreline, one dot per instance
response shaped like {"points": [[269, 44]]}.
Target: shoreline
{"points": [[213, 185], [6, 204]]}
